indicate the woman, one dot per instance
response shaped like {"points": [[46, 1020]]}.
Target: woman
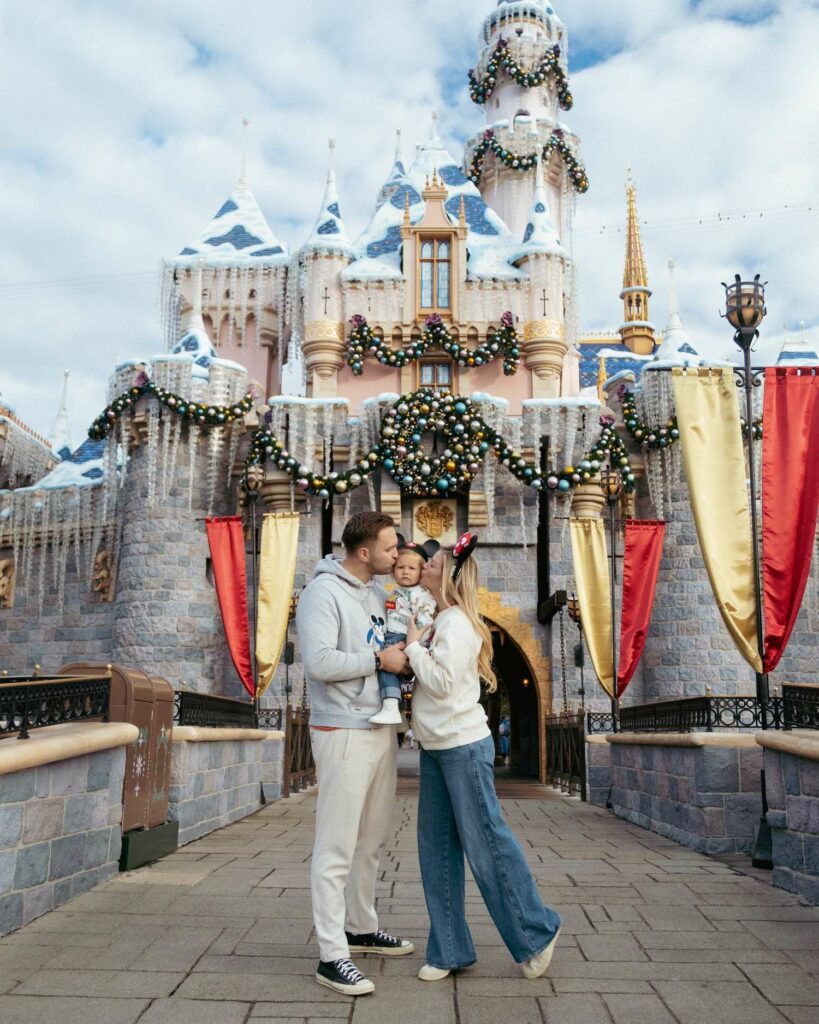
{"points": [[458, 809]]}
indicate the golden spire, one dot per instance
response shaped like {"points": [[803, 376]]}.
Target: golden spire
{"points": [[635, 275], [636, 331]]}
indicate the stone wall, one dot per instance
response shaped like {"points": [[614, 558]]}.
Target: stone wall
{"points": [[215, 781], [792, 786], [705, 797], [59, 832], [78, 629], [598, 770]]}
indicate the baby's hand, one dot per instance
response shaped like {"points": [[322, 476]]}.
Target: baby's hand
{"points": [[414, 631]]}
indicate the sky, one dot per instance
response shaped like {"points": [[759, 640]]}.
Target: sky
{"points": [[121, 135]]}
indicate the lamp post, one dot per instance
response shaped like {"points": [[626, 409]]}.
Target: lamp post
{"points": [[611, 484], [745, 310], [573, 605]]}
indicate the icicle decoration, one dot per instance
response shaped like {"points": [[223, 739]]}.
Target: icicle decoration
{"points": [[23, 456], [193, 443], [522, 496]]}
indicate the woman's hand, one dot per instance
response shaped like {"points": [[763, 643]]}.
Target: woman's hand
{"points": [[413, 632]]}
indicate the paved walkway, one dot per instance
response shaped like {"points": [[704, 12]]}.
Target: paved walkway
{"points": [[220, 933]]}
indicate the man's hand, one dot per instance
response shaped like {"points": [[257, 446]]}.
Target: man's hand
{"points": [[393, 659]]}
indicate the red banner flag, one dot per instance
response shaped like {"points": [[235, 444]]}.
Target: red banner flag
{"points": [[641, 565], [790, 498], [227, 551]]}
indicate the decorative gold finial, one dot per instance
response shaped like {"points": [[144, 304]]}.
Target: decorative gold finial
{"points": [[462, 212], [36, 671], [109, 669]]}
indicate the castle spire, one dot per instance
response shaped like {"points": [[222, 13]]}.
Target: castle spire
{"points": [[676, 346], [329, 231], [60, 437], [243, 165], [636, 331]]}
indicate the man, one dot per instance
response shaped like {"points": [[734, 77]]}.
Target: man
{"points": [[340, 622]]}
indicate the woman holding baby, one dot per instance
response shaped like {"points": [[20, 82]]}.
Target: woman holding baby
{"points": [[459, 814]]}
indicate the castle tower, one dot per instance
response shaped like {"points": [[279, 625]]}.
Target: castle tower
{"points": [[636, 330], [325, 254], [521, 80], [60, 436], [676, 345], [544, 259]]}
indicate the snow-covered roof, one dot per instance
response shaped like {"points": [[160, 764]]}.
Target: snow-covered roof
{"points": [[329, 233], [490, 244], [398, 172], [797, 352], [540, 236], [238, 233], [83, 468]]}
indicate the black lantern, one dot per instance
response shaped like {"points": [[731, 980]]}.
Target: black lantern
{"points": [[745, 306]]}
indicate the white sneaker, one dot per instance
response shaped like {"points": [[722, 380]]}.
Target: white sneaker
{"points": [[540, 962], [430, 973], [389, 714]]}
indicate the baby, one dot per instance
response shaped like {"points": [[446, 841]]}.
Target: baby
{"points": [[407, 601]]}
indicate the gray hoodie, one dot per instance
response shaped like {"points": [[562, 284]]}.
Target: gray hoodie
{"points": [[340, 621]]}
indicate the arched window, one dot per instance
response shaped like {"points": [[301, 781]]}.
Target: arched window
{"points": [[435, 275]]}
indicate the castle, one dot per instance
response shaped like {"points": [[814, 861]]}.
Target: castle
{"points": [[462, 284]]}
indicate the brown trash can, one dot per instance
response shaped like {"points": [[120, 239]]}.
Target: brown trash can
{"points": [[148, 703]]}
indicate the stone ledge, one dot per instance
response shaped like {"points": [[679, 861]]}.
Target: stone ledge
{"points": [[602, 738], [200, 734], [798, 742], [60, 742], [684, 739]]}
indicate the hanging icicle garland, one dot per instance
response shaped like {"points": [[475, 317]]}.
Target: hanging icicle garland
{"points": [[480, 89], [363, 342], [665, 436], [468, 439], [194, 412], [527, 161]]}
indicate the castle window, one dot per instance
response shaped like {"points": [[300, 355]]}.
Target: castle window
{"points": [[435, 374], [435, 277]]}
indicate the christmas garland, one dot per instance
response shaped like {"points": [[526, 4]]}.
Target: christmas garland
{"points": [[481, 89], [527, 161], [468, 440], [662, 437], [363, 342], [191, 412]]}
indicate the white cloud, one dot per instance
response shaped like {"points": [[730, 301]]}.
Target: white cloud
{"points": [[121, 138]]}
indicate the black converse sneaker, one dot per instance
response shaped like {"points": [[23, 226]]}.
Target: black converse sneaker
{"points": [[343, 976], [379, 942]]}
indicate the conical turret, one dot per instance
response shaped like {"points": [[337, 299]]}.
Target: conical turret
{"points": [[60, 437], [636, 331], [329, 231]]}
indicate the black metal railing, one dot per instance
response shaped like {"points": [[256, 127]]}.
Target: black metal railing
{"points": [[598, 722], [270, 718], [38, 703], [566, 753], [203, 709], [299, 766], [800, 706], [796, 708]]}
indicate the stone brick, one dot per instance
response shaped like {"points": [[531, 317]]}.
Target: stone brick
{"points": [[11, 912], [11, 825], [717, 770], [67, 856], [791, 775], [37, 902], [43, 819], [32, 865], [802, 814], [7, 862], [70, 776], [99, 773], [96, 848], [788, 850], [17, 786]]}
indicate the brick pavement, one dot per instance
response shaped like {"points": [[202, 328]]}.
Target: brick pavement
{"points": [[221, 932]]}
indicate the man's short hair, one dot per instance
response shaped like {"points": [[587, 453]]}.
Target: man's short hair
{"points": [[363, 528]]}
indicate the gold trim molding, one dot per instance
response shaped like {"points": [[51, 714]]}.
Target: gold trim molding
{"points": [[324, 330], [538, 330]]}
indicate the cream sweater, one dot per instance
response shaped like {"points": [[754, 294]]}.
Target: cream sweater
{"points": [[445, 704]]}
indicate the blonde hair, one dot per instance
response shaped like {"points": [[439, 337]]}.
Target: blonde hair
{"points": [[464, 593]]}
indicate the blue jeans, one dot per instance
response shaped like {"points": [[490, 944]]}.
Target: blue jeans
{"points": [[388, 682], [459, 813]]}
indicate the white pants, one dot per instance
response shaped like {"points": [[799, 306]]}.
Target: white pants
{"points": [[356, 771]]}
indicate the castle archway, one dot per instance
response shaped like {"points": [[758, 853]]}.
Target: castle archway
{"points": [[525, 675]]}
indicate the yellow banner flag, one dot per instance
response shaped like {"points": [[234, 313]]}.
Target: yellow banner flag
{"points": [[591, 573], [277, 570], [714, 460]]}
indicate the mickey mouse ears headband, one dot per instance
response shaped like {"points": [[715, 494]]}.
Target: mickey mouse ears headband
{"points": [[462, 550], [426, 550]]}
